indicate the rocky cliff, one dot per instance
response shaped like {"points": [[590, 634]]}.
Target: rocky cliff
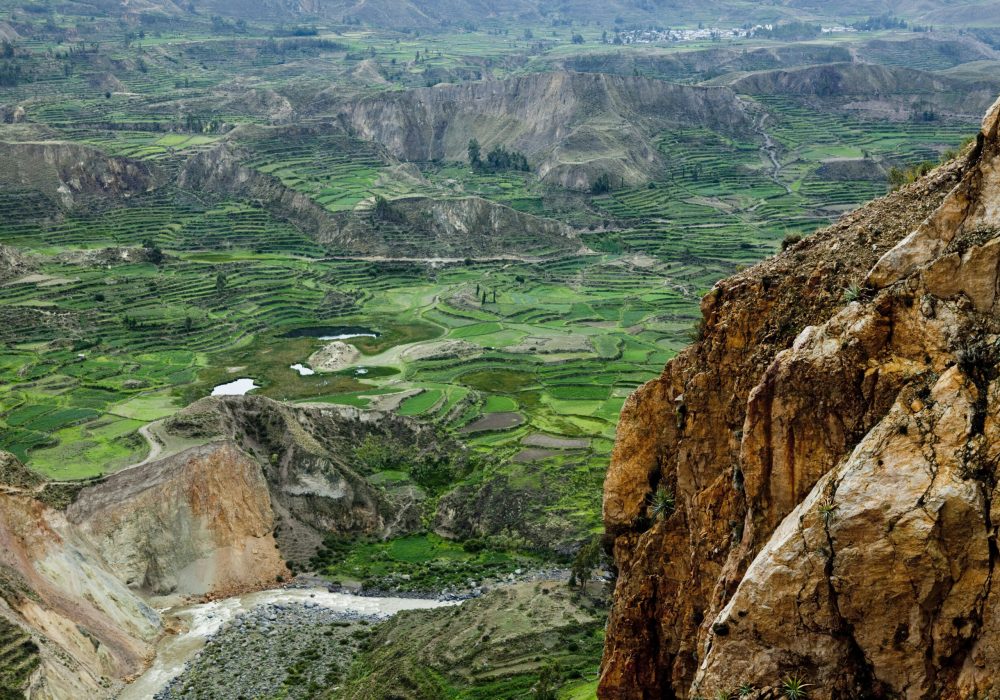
{"points": [[84, 628], [830, 446], [197, 523], [246, 484]]}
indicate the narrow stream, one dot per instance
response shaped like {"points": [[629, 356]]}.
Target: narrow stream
{"points": [[201, 621]]}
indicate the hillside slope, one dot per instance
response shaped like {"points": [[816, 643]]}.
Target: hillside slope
{"points": [[879, 91], [831, 451], [572, 126]]}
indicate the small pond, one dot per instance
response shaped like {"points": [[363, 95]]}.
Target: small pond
{"points": [[235, 388], [331, 332]]}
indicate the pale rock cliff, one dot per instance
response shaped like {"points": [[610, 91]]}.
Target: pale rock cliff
{"points": [[197, 523]]}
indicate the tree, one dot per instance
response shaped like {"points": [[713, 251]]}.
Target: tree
{"points": [[548, 682], [494, 296], [381, 210], [220, 282], [602, 185], [577, 39], [188, 324], [475, 152], [153, 252], [584, 563], [484, 296], [374, 455]]}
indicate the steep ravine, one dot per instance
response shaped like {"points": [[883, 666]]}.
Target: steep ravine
{"points": [[832, 442]]}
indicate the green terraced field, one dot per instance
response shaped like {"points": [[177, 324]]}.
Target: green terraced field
{"points": [[526, 362], [94, 347]]}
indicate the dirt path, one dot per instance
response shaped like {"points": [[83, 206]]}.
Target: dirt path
{"points": [[155, 446], [770, 148]]}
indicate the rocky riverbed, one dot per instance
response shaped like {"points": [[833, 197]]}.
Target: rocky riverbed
{"points": [[289, 650], [281, 641]]}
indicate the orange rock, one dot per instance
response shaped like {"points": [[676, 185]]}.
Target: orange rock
{"points": [[834, 466]]}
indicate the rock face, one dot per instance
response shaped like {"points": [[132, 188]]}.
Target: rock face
{"points": [[88, 628], [831, 443], [70, 175], [197, 523], [305, 456], [571, 126]]}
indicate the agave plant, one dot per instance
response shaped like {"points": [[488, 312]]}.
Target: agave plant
{"points": [[826, 512], [852, 292], [662, 503], [745, 689], [723, 695], [794, 688]]}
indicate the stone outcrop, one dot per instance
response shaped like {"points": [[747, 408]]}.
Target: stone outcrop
{"points": [[830, 443]]}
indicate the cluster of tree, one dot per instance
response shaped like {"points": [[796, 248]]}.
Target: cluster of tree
{"points": [[221, 25], [904, 176], [382, 210], [195, 123], [153, 252], [432, 469], [482, 296], [875, 23], [602, 185], [131, 323], [577, 39], [301, 45], [498, 159], [790, 31], [282, 30], [11, 74]]}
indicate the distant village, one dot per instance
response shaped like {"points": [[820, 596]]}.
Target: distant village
{"points": [[664, 36]]}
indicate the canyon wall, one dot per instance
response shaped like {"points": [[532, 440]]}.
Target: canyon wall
{"points": [[830, 443]]}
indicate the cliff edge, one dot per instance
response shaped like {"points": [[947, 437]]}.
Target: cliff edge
{"points": [[827, 453]]}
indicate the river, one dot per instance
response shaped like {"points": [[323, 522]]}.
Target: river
{"points": [[202, 620]]}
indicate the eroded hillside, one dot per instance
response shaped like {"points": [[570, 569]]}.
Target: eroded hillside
{"points": [[572, 126], [824, 461]]}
